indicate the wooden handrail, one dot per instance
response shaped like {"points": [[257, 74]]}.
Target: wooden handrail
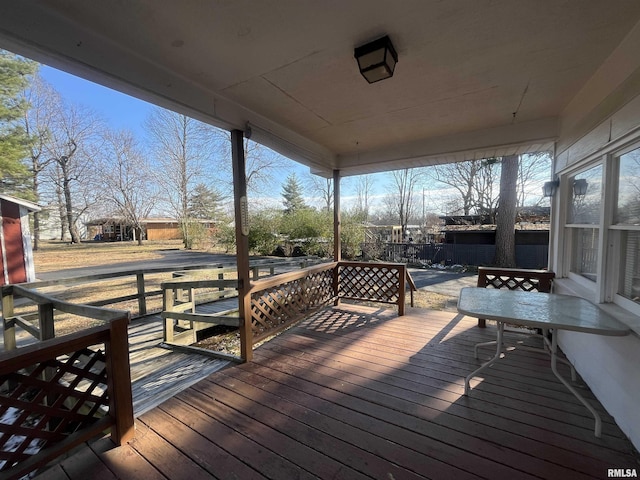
{"points": [[280, 301], [200, 284], [412, 286], [58, 359], [76, 309], [289, 276]]}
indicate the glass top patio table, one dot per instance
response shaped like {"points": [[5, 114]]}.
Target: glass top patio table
{"points": [[538, 310], [545, 311]]}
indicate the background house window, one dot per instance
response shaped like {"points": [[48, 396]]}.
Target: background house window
{"points": [[584, 221]]}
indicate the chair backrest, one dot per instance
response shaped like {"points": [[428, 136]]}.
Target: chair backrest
{"points": [[514, 279]]}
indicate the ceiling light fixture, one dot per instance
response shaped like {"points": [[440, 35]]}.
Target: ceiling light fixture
{"points": [[376, 60]]}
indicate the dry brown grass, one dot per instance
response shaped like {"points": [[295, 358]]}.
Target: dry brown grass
{"points": [[53, 256]]}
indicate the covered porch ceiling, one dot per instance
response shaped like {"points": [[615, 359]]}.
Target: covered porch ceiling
{"points": [[475, 78]]}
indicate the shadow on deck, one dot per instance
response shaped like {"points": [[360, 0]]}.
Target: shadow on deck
{"points": [[355, 392]]}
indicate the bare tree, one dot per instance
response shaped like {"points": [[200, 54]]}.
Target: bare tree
{"points": [[184, 152], [125, 174], [505, 255], [486, 197], [322, 187], [71, 147], [473, 180], [41, 98], [532, 170], [262, 165], [364, 188], [401, 194]]}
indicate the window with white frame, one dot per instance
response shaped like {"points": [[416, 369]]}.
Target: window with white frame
{"points": [[602, 229], [625, 227], [584, 220]]}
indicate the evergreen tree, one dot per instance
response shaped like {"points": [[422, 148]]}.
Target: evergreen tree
{"points": [[15, 74], [204, 203], [292, 194]]}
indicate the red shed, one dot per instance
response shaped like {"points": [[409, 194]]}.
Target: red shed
{"points": [[16, 254]]}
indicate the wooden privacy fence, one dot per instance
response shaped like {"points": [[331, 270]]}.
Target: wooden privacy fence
{"points": [[527, 256], [62, 391]]}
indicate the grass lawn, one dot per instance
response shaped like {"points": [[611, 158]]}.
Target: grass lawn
{"points": [[53, 256]]}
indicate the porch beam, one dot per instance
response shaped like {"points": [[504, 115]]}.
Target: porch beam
{"points": [[242, 243]]}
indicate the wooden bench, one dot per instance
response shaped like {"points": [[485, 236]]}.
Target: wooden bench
{"points": [[514, 279]]}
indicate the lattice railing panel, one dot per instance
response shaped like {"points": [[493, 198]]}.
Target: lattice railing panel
{"points": [[274, 308], [46, 402], [375, 283], [512, 283]]}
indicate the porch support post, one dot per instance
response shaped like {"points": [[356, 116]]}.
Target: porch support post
{"points": [[242, 243], [337, 244], [337, 247]]}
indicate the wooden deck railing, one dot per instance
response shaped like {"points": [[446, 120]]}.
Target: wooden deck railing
{"points": [[373, 282], [62, 391], [514, 279], [180, 299], [282, 300], [138, 279]]}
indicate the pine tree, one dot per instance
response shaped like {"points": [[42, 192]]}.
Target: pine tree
{"points": [[292, 194], [204, 203], [15, 75]]}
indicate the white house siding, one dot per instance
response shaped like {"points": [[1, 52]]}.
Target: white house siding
{"points": [[610, 366], [604, 116]]}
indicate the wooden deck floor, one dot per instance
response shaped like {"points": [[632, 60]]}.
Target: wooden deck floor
{"points": [[351, 395], [158, 373]]}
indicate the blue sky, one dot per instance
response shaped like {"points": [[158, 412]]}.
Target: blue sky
{"points": [[120, 110]]}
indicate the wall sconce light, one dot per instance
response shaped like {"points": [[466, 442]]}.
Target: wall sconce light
{"points": [[376, 60], [580, 187], [549, 188]]}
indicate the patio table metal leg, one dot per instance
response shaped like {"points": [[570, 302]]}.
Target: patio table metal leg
{"points": [[490, 362], [574, 377], [546, 349], [483, 344], [554, 359]]}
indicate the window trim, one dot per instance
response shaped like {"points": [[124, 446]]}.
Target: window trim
{"points": [[605, 288]]}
